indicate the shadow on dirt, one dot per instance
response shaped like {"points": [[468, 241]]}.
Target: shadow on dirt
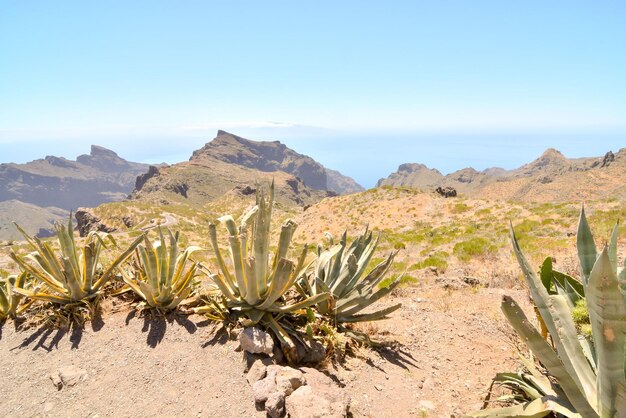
{"points": [[220, 335], [397, 356], [47, 337], [155, 325]]}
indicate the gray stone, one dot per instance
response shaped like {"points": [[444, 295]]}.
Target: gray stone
{"points": [[320, 397], [288, 380], [255, 340], [275, 405], [307, 402], [258, 370], [68, 376], [265, 387]]}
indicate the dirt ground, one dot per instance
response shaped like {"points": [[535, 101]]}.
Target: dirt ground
{"points": [[449, 346]]}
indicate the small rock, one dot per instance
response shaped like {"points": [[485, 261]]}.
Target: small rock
{"points": [[311, 351], [320, 397], [306, 402], [288, 380], [255, 340], [56, 380], [257, 371], [446, 191], [275, 405], [278, 356], [265, 387], [68, 376], [378, 387], [472, 281], [450, 283]]}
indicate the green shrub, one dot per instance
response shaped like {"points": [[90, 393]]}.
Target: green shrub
{"points": [[437, 259], [473, 247]]}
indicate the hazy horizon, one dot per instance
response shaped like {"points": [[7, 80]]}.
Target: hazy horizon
{"points": [[362, 157]]}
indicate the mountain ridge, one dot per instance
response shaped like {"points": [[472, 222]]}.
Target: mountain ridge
{"points": [[550, 176]]}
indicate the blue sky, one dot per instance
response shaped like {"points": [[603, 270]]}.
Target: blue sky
{"points": [[361, 86]]}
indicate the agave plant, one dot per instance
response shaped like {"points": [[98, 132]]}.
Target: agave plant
{"points": [[161, 276], [339, 270], [258, 286], [72, 275], [590, 372], [9, 300]]}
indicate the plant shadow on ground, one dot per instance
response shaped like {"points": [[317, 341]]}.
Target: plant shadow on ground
{"points": [[47, 336], [155, 325], [394, 355], [220, 334]]}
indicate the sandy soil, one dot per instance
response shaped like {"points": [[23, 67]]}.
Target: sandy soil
{"points": [[449, 346]]}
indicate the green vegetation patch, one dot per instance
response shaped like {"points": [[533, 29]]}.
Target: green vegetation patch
{"points": [[474, 247], [438, 259]]}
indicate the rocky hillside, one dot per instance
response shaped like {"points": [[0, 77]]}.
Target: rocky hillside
{"points": [[273, 156], [40, 192], [551, 177], [231, 164], [102, 176]]}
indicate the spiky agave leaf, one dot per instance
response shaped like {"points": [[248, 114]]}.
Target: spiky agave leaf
{"points": [[255, 287], [9, 298], [161, 275], [69, 275], [607, 314], [340, 268], [604, 352]]}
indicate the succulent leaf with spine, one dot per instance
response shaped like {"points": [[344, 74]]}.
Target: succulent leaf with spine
{"points": [[71, 275], [256, 288], [9, 299], [340, 270], [591, 372], [161, 277]]}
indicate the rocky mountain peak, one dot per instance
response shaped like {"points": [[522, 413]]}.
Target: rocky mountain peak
{"points": [[415, 168], [551, 160], [103, 159], [99, 151], [59, 162], [265, 156]]}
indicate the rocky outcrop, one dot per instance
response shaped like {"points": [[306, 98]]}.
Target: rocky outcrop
{"points": [[87, 222], [341, 184], [234, 166], [271, 156], [413, 175], [142, 179], [264, 156], [91, 180], [305, 392], [446, 191], [552, 176]]}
